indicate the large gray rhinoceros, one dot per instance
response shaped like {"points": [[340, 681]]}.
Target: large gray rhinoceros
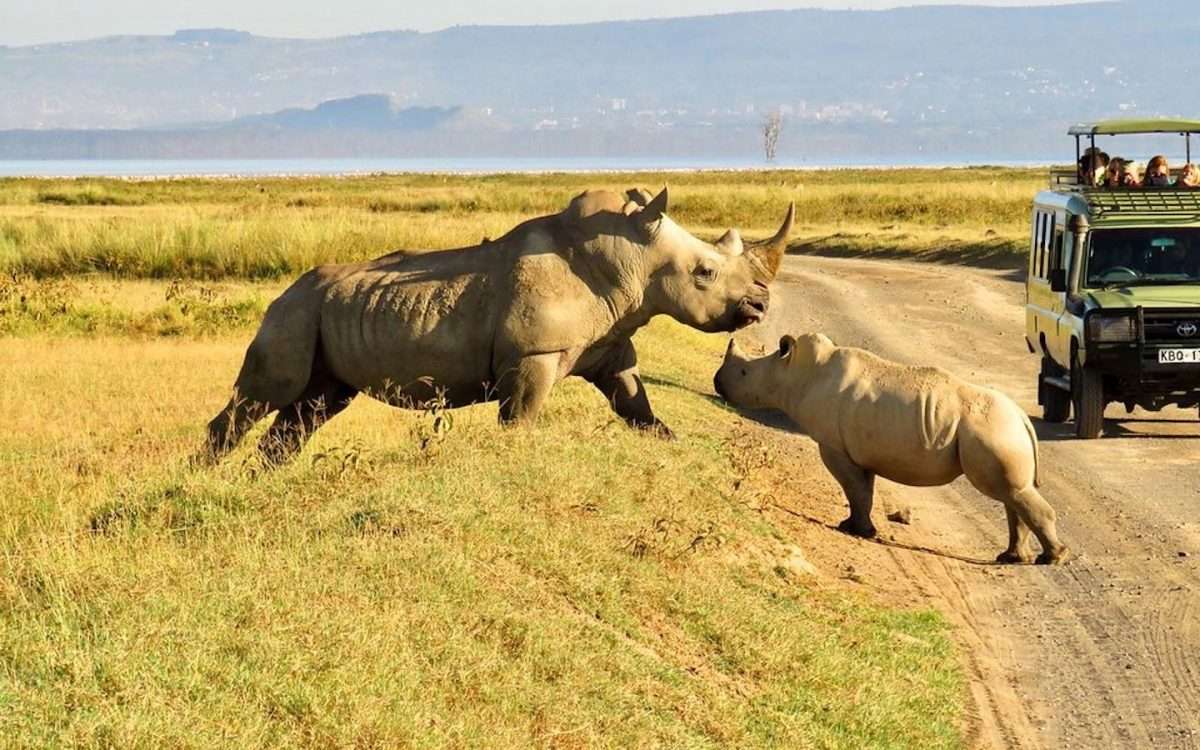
{"points": [[558, 295]]}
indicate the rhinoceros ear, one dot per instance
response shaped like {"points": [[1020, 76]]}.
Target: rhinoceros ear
{"points": [[787, 345], [654, 210]]}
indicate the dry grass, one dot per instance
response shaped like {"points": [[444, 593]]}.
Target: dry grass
{"points": [[572, 585], [273, 228]]}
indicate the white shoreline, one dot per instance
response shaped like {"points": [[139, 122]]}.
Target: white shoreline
{"points": [[8, 170]]}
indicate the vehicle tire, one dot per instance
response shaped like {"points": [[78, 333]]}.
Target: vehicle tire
{"points": [[1087, 386], [1056, 403]]}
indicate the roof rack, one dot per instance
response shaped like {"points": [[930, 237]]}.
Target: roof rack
{"points": [[1159, 203], [1136, 127], [1064, 177], [1132, 127]]}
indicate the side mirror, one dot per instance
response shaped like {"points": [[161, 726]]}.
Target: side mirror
{"points": [[1058, 280]]}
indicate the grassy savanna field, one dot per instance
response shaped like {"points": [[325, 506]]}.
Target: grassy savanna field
{"points": [[420, 579]]}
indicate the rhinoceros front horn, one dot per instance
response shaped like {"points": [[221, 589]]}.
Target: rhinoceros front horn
{"points": [[770, 252]]}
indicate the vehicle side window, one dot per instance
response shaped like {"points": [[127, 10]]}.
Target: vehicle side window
{"points": [[1055, 242], [1035, 243], [1039, 245]]}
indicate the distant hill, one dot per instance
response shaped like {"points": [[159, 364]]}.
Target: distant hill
{"points": [[364, 112], [366, 125], [946, 79]]}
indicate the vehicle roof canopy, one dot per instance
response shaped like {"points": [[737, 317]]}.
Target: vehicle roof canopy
{"points": [[1135, 127]]}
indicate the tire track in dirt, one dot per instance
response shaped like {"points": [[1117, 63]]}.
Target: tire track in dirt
{"points": [[1103, 653]]}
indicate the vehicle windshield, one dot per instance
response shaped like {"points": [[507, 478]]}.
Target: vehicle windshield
{"points": [[1143, 257]]}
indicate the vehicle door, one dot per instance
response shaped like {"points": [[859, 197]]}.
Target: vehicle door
{"points": [[1041, 310], [1060, 251]]}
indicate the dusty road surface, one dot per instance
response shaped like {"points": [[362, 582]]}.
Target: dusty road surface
{"points": [[1101, 653]]}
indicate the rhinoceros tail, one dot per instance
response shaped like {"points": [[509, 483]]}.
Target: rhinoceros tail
{"points": [[279, 362], [1037, 461]]}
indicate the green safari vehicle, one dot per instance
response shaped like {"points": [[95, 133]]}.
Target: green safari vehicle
{"points": [[1113, 288]]}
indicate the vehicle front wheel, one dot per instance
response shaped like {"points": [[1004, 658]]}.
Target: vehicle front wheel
{"points": [[1087, 386], [1056, 403]]}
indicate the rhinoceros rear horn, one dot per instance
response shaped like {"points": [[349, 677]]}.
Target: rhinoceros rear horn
{"points": [[730, 243], [654, 210], [770, 252], [640, 196]]}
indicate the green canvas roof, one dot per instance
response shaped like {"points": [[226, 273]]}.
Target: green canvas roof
{"points": [[1132, 127]]}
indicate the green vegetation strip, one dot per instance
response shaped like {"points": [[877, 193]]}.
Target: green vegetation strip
{"points": [[419, 579], [90, 306], [268, 228]]}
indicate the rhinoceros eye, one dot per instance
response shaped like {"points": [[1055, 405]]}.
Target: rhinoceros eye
{"points": [[705, 274]]}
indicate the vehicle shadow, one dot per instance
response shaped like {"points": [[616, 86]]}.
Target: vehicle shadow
{"points": [[992, 254], [1114, 429]]}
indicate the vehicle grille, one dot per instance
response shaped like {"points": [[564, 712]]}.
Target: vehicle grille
{"points": [[1169, 327]]}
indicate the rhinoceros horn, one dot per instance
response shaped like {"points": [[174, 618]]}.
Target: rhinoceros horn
{"points": [[730, 243], [770, 252], [654, 209]]}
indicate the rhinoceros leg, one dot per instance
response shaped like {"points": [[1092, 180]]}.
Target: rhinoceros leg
{"points": [[859, 486], [1031, 508], [1006, 474], [524, 386], [277, 367], [618, 379], [1036, 512], [323, 398], [228, 428], [1018, 540]]}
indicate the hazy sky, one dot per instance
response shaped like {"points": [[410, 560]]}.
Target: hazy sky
{"points": [[35, 21]]}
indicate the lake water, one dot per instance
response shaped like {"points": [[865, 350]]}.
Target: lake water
{"points": [[270, 167]]}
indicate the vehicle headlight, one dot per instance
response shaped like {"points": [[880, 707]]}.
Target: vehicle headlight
{"points": [[1110, 329]]}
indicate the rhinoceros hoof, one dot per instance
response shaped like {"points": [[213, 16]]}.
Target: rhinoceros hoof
{"points": [[660, 431], [1014, 558], [1058, 557], [866, 531]]}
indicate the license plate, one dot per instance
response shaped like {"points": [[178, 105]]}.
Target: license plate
{"points": [[1179, 356]]}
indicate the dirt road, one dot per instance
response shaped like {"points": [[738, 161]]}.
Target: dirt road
{"points": [[1102, 653]]}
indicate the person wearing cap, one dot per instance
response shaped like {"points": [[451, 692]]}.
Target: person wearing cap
{"points": [[1092, 166]]}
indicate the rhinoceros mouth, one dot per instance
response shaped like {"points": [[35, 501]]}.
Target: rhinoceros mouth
{"points": [[750, 312]]}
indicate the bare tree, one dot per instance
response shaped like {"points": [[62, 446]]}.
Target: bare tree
{"points": [[770, 130]]}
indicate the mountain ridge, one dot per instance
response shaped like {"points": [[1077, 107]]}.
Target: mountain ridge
{"points": [[989, 77]]}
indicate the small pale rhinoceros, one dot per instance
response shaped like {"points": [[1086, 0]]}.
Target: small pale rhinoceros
{"points": [[558, 295]]}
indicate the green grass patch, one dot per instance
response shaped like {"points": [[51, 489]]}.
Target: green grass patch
{"points": [[89, 307]]}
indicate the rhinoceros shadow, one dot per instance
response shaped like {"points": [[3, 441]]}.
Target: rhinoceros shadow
{"points": [[892, 543], [767, 417]]}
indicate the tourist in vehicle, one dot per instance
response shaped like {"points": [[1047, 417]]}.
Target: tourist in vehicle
{"points": [[1092, 166], [1189, 177], [1112, 173], [1131, 176], [1113, 261], [1172, 258], [1158, 173]]}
